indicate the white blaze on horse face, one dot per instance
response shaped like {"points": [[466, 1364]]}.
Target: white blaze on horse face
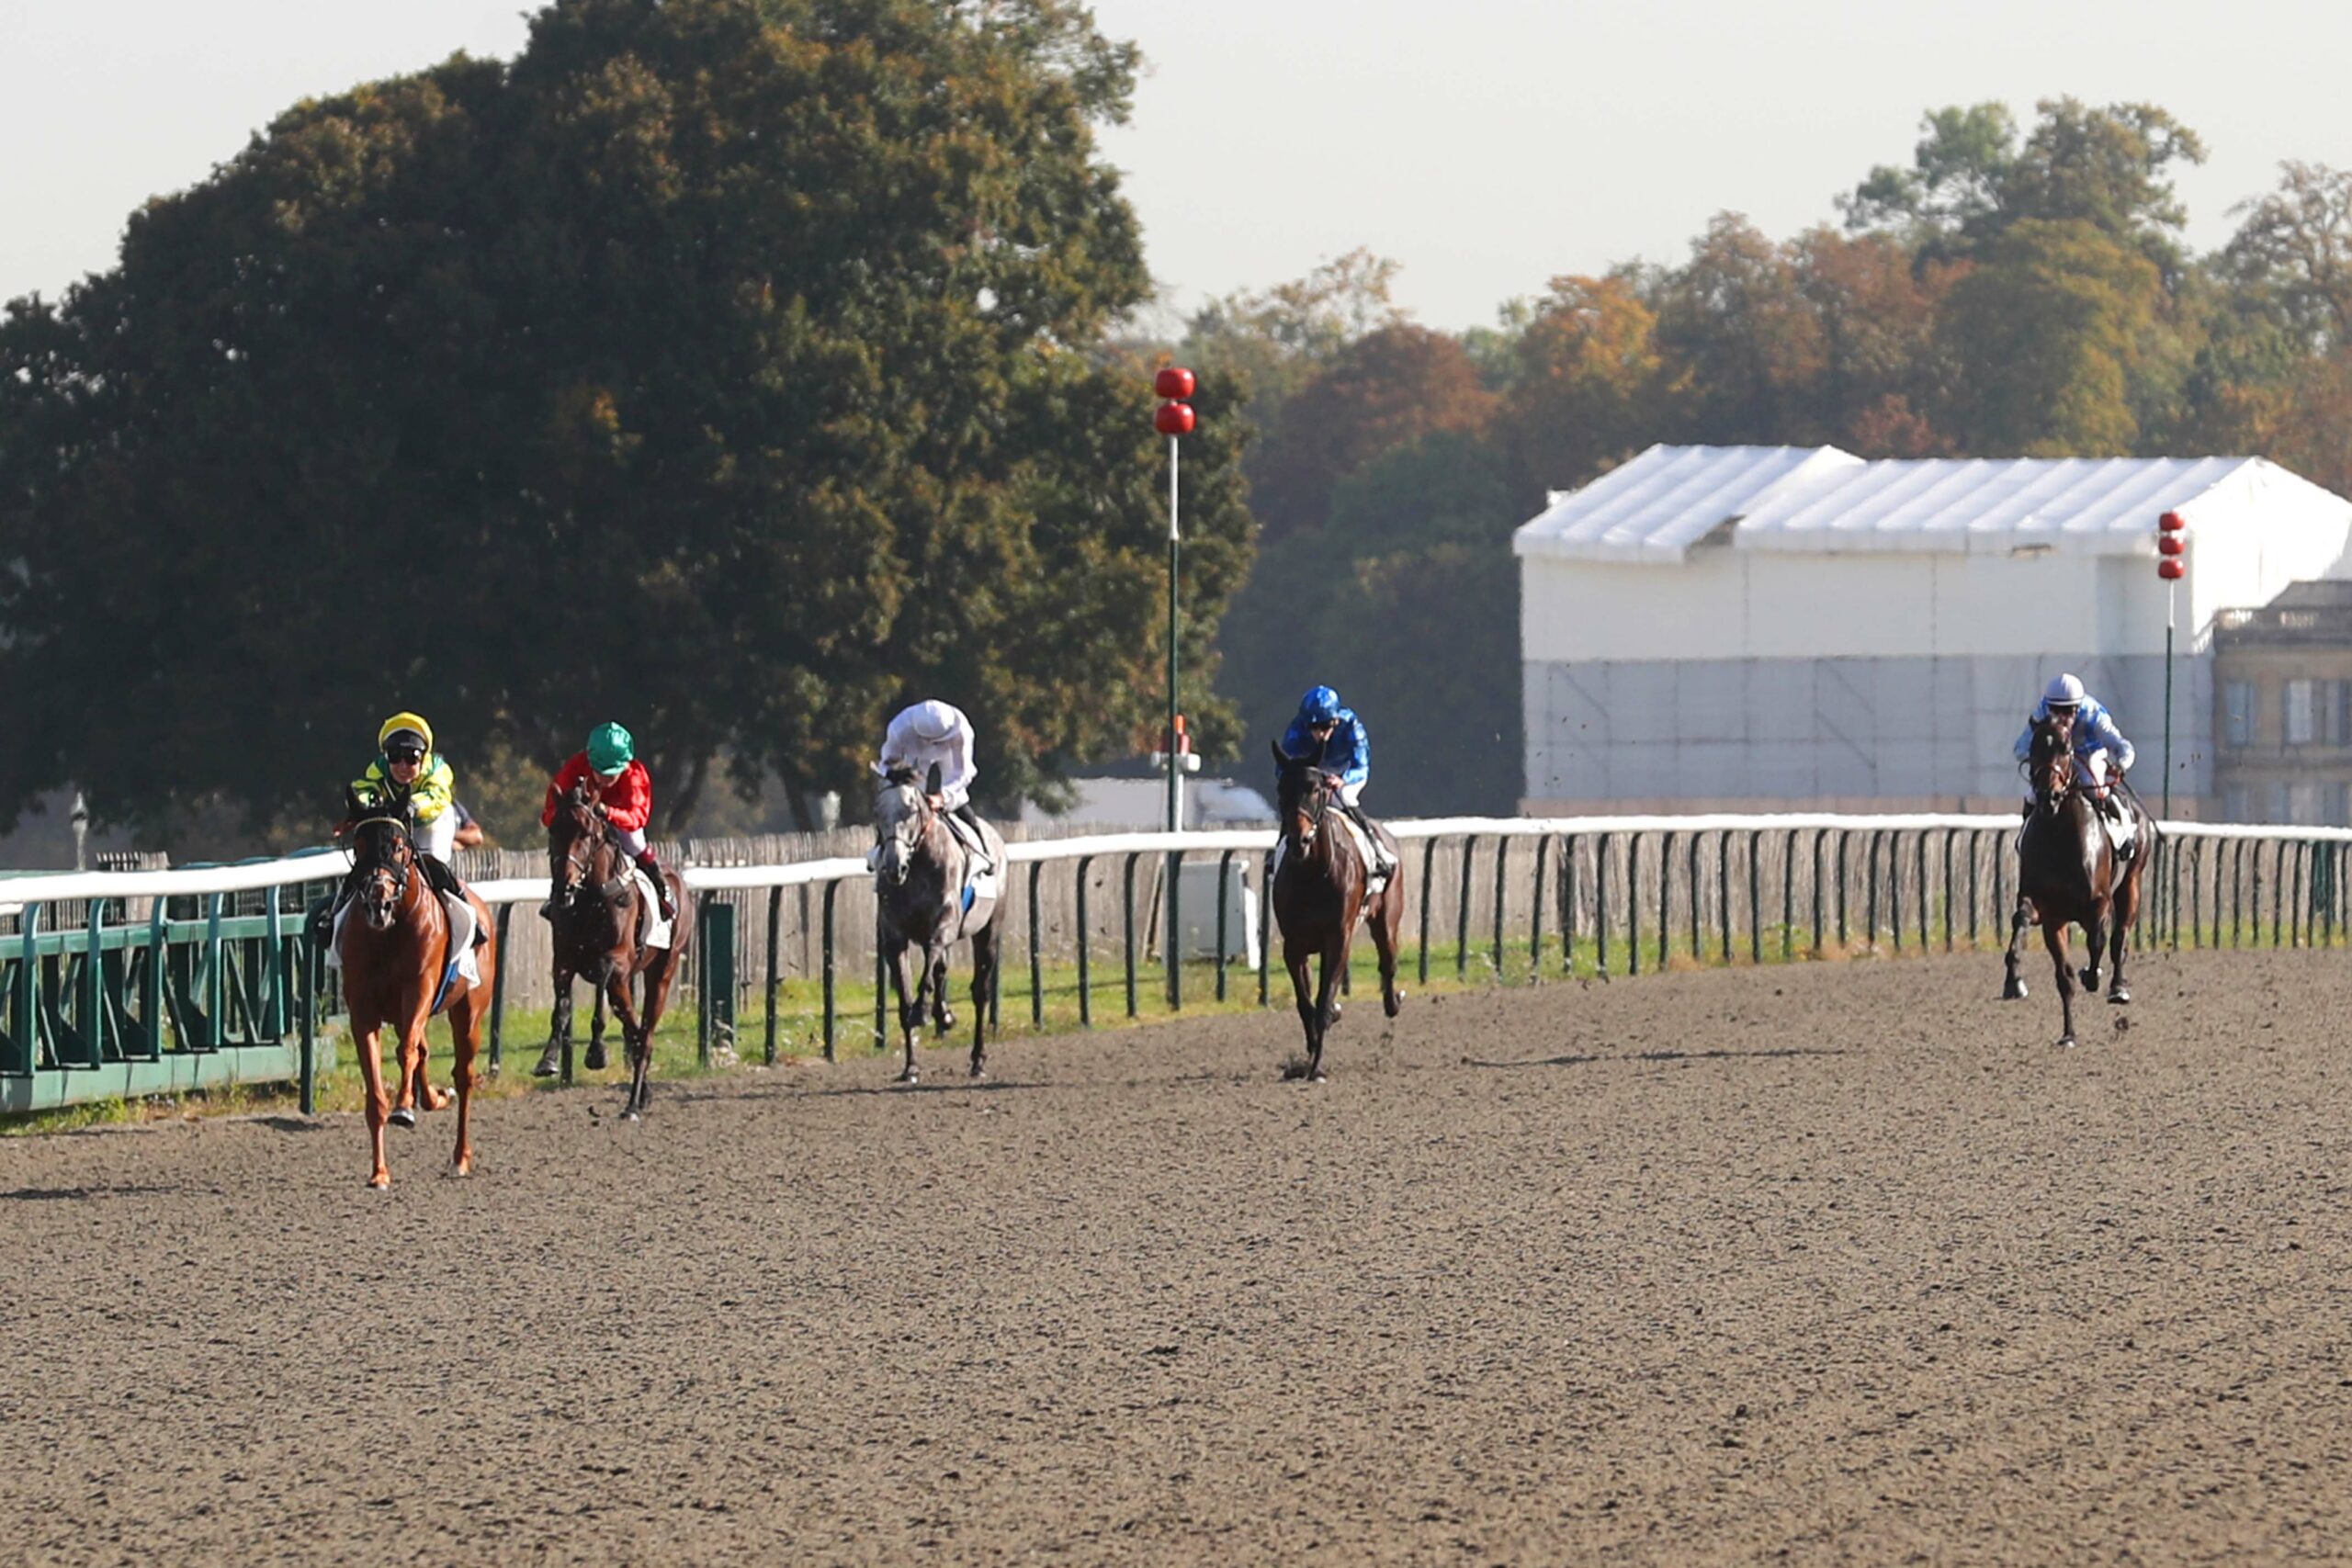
{"points": [[898, 825]]}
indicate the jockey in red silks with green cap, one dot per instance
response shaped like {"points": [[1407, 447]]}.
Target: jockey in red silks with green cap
{"points": [[620, 784]]}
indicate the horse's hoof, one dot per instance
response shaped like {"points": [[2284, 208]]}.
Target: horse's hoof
{"points": [[2014, 991], [979, 1074], [402, 1117], [944, 1020], [632, 1116], [2067, 1043], [2118, 996], [910, 1076], [462, 1169], [1394, 1005], [1316, 1074], [381, 1180], [548, 1065], [596, 1058]]}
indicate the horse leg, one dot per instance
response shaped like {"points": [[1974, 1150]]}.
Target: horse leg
{"points": [[595, 1060], [634, 1035], [2127, 910], [2013, 988], [1384, 923], [2053, 937], [984, 963], [2096, 932], [371, 1068], [465, 1037], [1326, 1003], [1310, 1013], [941, 1013], [899, 951], [558, 1026], [658, 981], [416, 1088]]}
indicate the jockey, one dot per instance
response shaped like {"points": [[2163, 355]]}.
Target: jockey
{"points": [[409, 780], [2100, 746], [932, 731], [625, 790], [1333, 737]]}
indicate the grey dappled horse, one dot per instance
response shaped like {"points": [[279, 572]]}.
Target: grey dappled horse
{"points": [[918, 886]]}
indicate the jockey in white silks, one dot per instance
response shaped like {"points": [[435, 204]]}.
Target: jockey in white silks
{"points": [[932, 731], [2100, 746]]}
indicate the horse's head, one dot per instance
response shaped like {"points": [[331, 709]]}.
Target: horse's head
{"points": [[385, 859], [574, 836], [2050, 760], [1304, 792], [902, 815]]}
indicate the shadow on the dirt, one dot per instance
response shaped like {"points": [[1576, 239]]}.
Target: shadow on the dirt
{"points": [[1661, 1057], [75, 1194]]}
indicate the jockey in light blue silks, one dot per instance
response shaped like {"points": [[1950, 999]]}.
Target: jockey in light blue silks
{"points": [[2100, 746], [1333, 737]]}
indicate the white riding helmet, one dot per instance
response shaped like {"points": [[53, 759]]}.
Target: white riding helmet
{"points": [[933, 720], [2063, 691]]}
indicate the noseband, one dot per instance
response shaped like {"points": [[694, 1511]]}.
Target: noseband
{"points": [[382, 860], [580, 859]]}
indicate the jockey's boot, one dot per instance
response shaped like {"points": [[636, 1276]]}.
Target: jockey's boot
{"points": [[646, 863], [1382, 862], [965, 814]]}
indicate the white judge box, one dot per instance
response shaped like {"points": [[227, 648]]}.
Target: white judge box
{"points": [[1196, 906]]}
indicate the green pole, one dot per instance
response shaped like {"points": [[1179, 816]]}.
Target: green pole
{"points": [[1175, 760], [2170, 593]]}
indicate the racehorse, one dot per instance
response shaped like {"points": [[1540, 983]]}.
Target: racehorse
{"points": [[918, 883], [599, 921], [1318, 896], [2067, 870], [399, 970]]}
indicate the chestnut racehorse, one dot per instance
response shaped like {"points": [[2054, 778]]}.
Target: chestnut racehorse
{"points": [[600, 921], [1318, 896], [2067, 870], [395, 952]]}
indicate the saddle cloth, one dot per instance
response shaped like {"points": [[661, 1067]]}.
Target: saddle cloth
{"points": [[461, 943], [657, 929], [979, 883]]}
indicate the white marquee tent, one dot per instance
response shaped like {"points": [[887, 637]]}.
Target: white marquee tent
{"points": [[1750, 627]]}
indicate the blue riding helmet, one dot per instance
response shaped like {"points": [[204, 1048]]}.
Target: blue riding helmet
{"points": [[1320, 705]]}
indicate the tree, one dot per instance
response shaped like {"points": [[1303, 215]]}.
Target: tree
{"points": [[1954, 186], [1881, 368], [719, 365], [1740, 337], [1592, 387], [1276, 339], [2293, 253], [1378, 394], [2047, 332]]}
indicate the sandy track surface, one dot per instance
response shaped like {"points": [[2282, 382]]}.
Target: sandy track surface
{"points": [[1831, 1263]]}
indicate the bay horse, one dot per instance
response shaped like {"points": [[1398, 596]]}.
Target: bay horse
{"points": [[1318, 897], [2067, 870], [599, 922], [920, 867], [394, 947]]}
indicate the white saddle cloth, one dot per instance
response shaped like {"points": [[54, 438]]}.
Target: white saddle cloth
{"points": [[657, 929], [461, 939]]}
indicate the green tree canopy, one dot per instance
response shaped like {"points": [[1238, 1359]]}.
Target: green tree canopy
{"points": [[728, 366]]}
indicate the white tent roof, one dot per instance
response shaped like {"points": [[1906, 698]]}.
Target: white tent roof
{"points": [[1668, 498], [1820, 499]]}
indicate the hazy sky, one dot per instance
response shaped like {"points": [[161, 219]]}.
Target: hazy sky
{"points": [[1486, 144]]}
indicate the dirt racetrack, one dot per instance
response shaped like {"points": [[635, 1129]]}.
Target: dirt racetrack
{"points": [[1834, 1263]]}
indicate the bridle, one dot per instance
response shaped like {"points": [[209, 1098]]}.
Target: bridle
{"points": [[391, 860], [2049, 764], [579, 858], [904, 833], [1309, 791]]}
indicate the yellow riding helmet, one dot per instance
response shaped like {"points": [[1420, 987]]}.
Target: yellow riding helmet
{"points": [[401, 721]]}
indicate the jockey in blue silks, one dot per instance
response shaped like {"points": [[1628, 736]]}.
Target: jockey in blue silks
{"points": [[2100, 746], [1333, 737]]}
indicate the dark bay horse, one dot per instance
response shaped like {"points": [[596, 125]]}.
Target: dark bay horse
{"points": [[919, 877], [1318, 896], [2067, 870], [600, 921], [395, 949]]}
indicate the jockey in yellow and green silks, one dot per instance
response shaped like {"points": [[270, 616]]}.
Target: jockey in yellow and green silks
{"points": [[406, 779]]}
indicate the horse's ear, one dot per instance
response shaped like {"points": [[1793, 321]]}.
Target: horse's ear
{"points": [[353, 807], [1276, 747], [930, 780]]}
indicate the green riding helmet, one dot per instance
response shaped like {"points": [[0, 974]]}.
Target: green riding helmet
{"points": [[610, 749]]}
